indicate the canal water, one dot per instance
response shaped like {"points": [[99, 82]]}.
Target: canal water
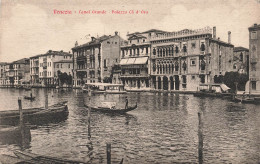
{"points": [[163, 129]]}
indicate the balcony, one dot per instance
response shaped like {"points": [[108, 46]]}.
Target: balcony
{"points": [[134, 75], [81, 58]]}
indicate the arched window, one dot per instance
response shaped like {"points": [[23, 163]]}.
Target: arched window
{"points": [[241, 56], [177, 49], [154, 51], [154, 67], [163, 52], [184, 48], [172, 67], [176, 66], [202, 47], [203, 65], [184, 66]]}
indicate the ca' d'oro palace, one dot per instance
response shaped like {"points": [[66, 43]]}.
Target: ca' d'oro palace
{"points": [[152, 60]]}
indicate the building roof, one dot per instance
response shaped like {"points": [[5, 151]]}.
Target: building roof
{"points": [[50, 52], [237, 49], [254, 27], [136, 36], [95, 41], [21, 61], [148, 31], [221, 42], [64, 61]]}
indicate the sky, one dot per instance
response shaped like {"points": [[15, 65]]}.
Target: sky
{"points": [[30, 27]]}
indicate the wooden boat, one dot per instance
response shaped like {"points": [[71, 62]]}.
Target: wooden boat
{"points": [[13, 134], [27, 157], [212, 90], [100, 88], [29, 98], [246, 100], [54, 113], [111, 110]]}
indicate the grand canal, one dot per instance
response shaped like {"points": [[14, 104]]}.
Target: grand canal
{"points": [[163, 129]]}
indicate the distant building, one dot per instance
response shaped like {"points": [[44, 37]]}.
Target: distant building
{"points": [[47, 72], [185, 59], [21, 71], [241, 60], [2, 73], [34, 70], [62, 66], [135, 60], [253, 85], [93, 61]]}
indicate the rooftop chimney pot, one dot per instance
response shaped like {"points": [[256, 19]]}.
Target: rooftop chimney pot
{"points": [[214, 32]]}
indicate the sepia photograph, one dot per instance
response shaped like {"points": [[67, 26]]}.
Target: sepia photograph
{"points": [[129, 81]]}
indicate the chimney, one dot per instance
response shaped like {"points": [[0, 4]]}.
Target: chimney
{"points": [[229, 37], [218, 38], [214, 32], [255, 24], [92, 38], [116, 33]]}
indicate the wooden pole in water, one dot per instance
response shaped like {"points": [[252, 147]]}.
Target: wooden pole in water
{"points": [[89, 110], [200, 134], [21, 124], [108, 153], [46, 99], [20, 111]]}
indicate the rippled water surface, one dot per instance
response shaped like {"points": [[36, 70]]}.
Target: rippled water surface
{"points": [[163, 129]]}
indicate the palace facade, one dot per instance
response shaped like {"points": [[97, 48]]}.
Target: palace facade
{"points": [[185, 59], [135, 60]]}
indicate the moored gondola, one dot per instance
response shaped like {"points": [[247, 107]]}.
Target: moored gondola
{"points": [[111, 110]]}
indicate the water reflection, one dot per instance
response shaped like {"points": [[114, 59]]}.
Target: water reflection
{"points": [[163, 129]]}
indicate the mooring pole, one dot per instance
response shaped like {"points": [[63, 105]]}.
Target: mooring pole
{"points": [[89, 133], [108, 153], [200, 135], [21, 123], [46, 99], [20, 111]]}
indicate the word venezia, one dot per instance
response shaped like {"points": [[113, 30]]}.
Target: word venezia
{"points": [[79, 12]]}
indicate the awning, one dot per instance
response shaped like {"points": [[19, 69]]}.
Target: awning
{"points": [[130, 61], [123, 61], [141, 60], [224, 87]]}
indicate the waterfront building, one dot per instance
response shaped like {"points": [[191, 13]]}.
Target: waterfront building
{"points": [[253, 85], [241, 60], [46, 66], [34, 70], [2, 73], [93, 61], [9, 74], [185, 59], [62, 66], [135, 60], [21, 71]]}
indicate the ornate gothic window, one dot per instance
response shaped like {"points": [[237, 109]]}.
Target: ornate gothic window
{"points": [[184, 66]]}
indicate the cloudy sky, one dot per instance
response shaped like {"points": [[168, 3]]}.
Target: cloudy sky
{"points": [[30, 27]]}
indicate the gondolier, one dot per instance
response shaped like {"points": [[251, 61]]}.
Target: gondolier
{"points": [[126, 103]]}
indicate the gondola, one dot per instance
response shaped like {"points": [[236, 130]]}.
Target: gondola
{"points": [[111, 110], [54, 113], [246, 100]]}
